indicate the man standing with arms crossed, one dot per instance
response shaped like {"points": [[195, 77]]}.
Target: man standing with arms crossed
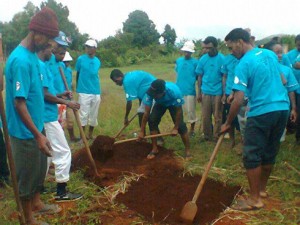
{"points": [[257, 74], [25, 107]]}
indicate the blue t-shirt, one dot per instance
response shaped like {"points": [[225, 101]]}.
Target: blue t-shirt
{"points": [[136, 83], [69, 76], [210, 70], [172, 97], [24, 80], [291, 82], [294, 56], [228, 68], [258, 72], [186, 75], [53, 66], [88, 80], [51, 109]]}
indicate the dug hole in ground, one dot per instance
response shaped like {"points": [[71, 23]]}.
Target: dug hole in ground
{"points": [[159, 191]]}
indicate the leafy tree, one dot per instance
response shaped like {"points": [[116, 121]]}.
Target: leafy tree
{"points": [[14, 31], [169, 35], [142, 28]]}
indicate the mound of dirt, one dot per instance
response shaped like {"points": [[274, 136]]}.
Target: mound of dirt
{"points": [[160, 195]]}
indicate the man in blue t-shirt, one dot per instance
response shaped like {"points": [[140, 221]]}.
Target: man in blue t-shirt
{"points": [[227, 70], [135, 84], [210, 88], [167, 96], [61, 152], [257, 73], [69, 112], [25, 110], [292, 58], [186, 79], [88, 87]]}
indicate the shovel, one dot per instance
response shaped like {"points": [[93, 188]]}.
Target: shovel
{"points": [[82, 134], [189, 210], [11, 161], [120, 131], [149, 136]]}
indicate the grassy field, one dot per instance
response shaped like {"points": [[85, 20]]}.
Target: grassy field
{"points": [[283, 186]]}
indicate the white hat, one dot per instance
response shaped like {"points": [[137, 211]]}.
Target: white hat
{"points": [[91, 43], [67, 57], [188, 47]]}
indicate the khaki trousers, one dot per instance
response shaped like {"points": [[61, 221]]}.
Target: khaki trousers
{"points": [[211, 105]]}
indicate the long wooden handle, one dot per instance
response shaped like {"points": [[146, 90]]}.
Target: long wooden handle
{"points": [[120, 131], [149, 136], [11, 162], [82, 134], [204, 175]]}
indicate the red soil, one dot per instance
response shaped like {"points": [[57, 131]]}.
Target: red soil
{"points": [[160, 196]]}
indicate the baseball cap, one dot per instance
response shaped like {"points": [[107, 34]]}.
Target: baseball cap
{"points": [[157, 87], [61, 39], [91, 43]]}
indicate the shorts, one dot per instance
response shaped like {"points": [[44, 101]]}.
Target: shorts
{"points": [[157, 113], [189, 108], [31, 166], [262, 138]]}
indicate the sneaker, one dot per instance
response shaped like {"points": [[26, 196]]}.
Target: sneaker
{"points": [[68, 197]]}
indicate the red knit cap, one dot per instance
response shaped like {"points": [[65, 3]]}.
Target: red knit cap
{"points": [[45, 22]]}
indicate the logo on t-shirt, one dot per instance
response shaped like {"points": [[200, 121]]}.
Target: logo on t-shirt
{"points": [[18, 85], [179, 100], [236, 80]]}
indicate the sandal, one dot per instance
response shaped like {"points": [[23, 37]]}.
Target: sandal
{"points": [[49, 209], [152, 155], [188, 156], [263, 194], [244, 205]]}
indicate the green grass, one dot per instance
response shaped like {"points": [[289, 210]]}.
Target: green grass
{"points": [[227, 167]]}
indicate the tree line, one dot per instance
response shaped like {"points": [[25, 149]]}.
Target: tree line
{"points": [[137, 42]]}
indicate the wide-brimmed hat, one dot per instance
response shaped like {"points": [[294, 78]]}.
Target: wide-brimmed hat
{"points": [[188, 46], [67, 57]]}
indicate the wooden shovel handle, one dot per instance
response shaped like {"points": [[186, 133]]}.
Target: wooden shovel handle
{"points": [[146, 137], [120, 131], [11, 162], [82, 134], [204, 175]]}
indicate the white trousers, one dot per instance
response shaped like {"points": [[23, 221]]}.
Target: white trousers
{"points": [[89, 107], [61, 154]]}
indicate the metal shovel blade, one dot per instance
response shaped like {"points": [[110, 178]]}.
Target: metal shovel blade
{"points": [[189, 212]]}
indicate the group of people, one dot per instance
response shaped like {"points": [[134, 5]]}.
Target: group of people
{"points": [[255, 90], [38, 81], [251, 84]]}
